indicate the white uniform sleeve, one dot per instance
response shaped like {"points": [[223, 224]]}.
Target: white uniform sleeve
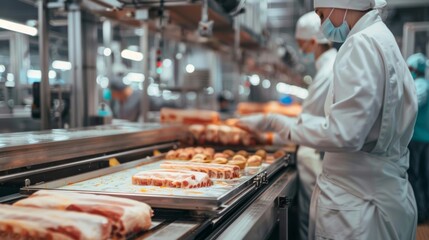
{"points": [[358, 96], [422, 88]]}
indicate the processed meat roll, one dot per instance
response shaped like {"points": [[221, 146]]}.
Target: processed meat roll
{"points": [[25, 223], [213, 170], [174, 178], [126, 215]]}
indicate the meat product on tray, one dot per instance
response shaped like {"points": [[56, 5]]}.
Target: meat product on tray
{"points": [[221, 133], [175, 178], [126, 215], [188, 116], [37, 224], [212, 169]]}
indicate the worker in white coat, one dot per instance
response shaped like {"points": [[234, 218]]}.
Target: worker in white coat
{"points": [[313, 43], [363, 191]]}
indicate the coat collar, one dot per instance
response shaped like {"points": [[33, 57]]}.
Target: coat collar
{"points": [[366, 20]]}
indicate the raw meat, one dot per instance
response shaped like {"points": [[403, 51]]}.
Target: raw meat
{"points": [[172, 178], [212, 169], [33, 223], [126, 215]]}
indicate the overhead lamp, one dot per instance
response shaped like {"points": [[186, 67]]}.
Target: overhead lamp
{"points": [[37, 74], [10, 77], [132, 55], [133, 77], [107, 52], [18, 27], [167, 63], [266, 84], [2, 68], [254, 80], [292, 90], [190, 68], [61, 65]]}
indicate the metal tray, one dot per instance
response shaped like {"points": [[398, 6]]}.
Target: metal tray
{"points": [[116, 181]]}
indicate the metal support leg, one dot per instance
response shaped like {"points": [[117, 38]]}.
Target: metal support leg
{"points": [[283, 204], [45, 93]]}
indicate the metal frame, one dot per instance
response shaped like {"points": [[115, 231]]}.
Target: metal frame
{"points": [[408, 41]]}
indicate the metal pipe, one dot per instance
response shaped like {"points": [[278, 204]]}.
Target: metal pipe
{"points": [[78, 104], [96, 159], [144, 46], [45, 93]]}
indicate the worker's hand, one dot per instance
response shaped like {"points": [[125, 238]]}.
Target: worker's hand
{"points": [[250, 123], [265, 122], [261, 123]]}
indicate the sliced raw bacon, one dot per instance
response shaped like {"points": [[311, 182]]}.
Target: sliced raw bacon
{"points": [[212, 169], [34, 223], [172, 178], [126, 215]]}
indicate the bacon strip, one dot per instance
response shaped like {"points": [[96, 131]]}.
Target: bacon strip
{"points": [[125, 215], [172, 178], [33, 223], [212, 169]]}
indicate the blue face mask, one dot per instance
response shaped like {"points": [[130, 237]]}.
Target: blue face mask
{"points": [[414, 74], [308, 57], [335, 34]]}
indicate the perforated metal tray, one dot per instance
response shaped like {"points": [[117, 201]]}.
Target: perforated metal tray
{"points": [[116, 181]]}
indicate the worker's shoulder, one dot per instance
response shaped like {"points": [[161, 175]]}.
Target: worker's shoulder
{"points": [[375, 34]]}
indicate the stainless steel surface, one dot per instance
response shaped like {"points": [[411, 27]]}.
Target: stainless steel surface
{"points": [[117, 181], [31, 148], [91, 160], [257, 221], [174, 230], [45, 95]]}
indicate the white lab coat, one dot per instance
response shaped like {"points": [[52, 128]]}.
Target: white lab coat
{"points": [[309, 162], [363, 191]]}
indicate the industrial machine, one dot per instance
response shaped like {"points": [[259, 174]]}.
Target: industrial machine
{"points": [[81, 160]]}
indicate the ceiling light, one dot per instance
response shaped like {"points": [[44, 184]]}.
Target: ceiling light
{"points": [[254, 80], [18, 27], [167, 63], [266, 83], [107, 52], [37, 74], [10, 77], [190, 68], [134, 77], [61, 65], [132, 55]]}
